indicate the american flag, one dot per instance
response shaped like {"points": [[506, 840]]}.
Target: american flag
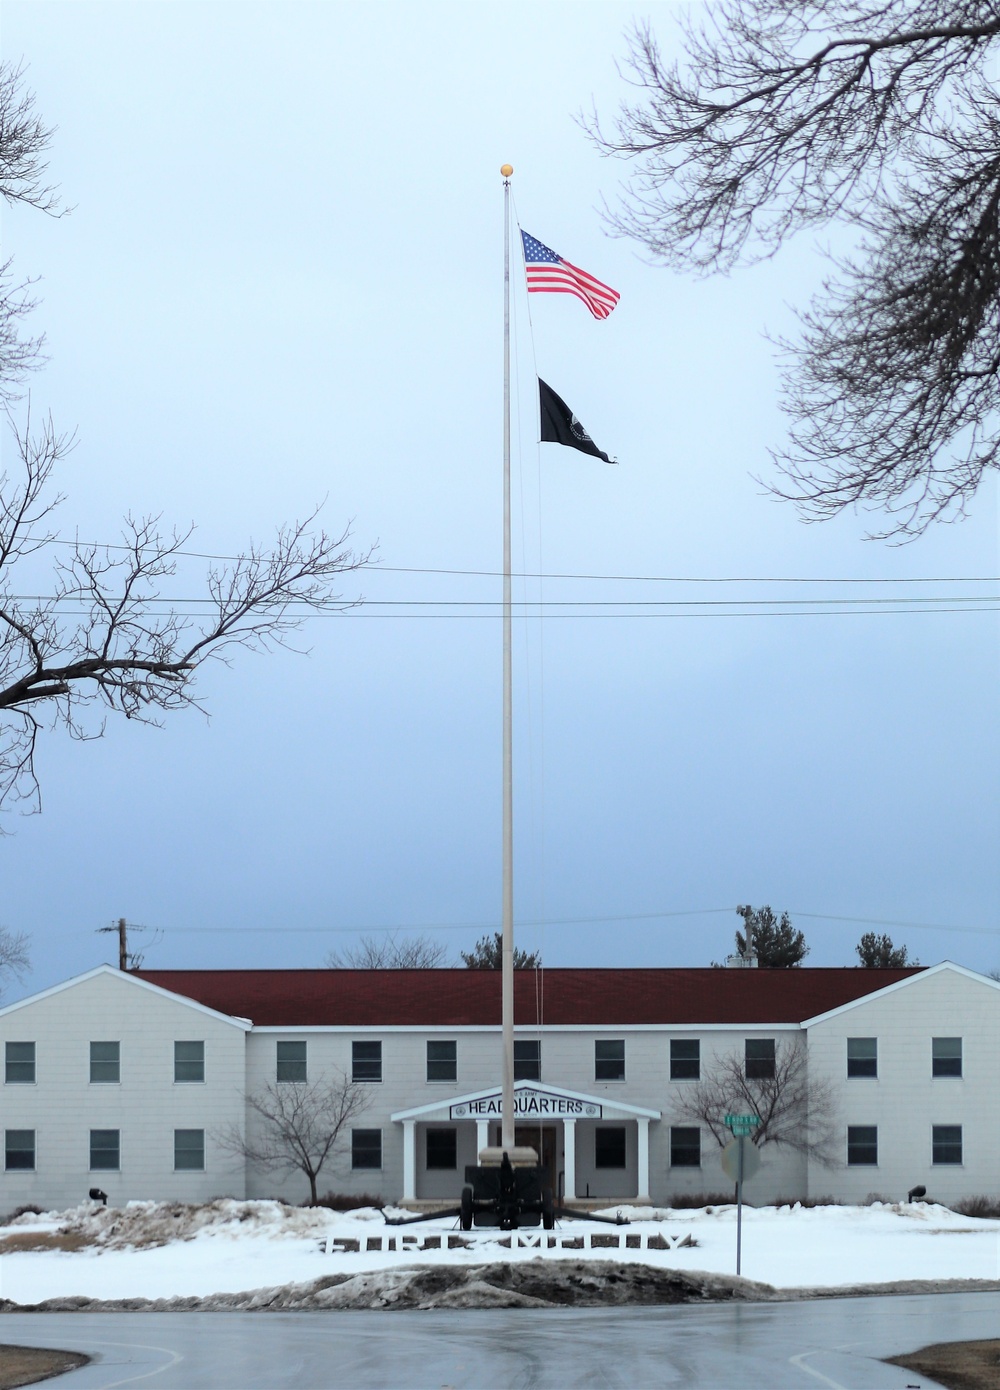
{"points": [[549, 273]]}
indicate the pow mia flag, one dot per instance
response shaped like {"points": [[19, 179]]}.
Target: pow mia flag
{"points": [[560, 425]]}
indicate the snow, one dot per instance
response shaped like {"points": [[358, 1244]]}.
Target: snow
{"points": [[163, 1250]]}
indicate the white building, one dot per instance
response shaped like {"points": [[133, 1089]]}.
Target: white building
{"points": [[127, 1081]]}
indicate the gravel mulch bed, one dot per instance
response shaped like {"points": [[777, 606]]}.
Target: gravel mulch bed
{"points": [[26, 1365], [959, 1365]]}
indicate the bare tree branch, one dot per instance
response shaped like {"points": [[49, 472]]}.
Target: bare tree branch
{"points": [[297, 1126], [99, 629], [24, 141], [794, 1113], [880, 114], [108, 635], [14, 957], [390, 952]]}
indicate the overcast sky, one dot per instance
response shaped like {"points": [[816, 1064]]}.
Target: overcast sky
{"points": [[281, 282]]}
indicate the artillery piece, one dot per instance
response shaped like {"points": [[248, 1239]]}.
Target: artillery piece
{"points": [[508, 1190]]}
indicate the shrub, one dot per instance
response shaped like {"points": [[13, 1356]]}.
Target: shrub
{"points": [[683, 1201], [987, 1208], [807, 1202], [29, 1209], [345, 1201]]}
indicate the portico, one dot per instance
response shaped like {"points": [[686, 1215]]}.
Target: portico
{"points": [[597, 1147]]}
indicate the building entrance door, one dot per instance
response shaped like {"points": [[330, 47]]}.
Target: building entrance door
{"points": [[542, 1139]]}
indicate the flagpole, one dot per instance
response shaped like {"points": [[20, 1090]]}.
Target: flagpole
{"points": [[507, 958]]}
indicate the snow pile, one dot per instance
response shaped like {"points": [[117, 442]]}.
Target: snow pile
{"points": [[145, 1225], [152, 1250]]}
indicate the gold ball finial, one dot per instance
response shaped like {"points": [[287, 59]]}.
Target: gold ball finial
{"points": [[506, 170]]}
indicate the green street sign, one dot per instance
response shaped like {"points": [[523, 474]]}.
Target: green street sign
{"points": [[741, 1125]]}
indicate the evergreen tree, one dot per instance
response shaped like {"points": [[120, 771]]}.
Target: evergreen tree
{"points": [[774, 941], [876, 950], [487, 954]]}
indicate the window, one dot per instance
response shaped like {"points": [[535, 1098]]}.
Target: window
{"points": [[759, 1059], [946, 1056], [442, 1061], [862, 1146], [528, 1060], [189, 1150], [366, 1062], [862, 1056], [685, 1146], [946, 1144], [189, 1061], [105, 1063], [442, 1148], [105, 1150], [609, 1060], [685, 1059], [609, 1146], [366, 1148], [20, 1064], [291, 1061], [19, 1150]]}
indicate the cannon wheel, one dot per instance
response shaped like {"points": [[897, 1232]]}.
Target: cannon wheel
{"points": [[465, 1217]]}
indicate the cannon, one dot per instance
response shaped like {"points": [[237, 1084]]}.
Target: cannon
{"points": [[505, 1193]]}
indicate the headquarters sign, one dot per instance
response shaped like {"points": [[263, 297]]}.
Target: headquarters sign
{"points": [[535, 1105]]}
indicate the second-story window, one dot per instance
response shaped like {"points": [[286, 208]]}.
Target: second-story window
{"points": [[442, 1060], [527, 1059], [759, 1059], [189, 1061], [685, 1059], [366, 1061], [946, 1057], [862, 1057], [609, 1060], [290, 1061], [19, 1064], [105, 1062]]}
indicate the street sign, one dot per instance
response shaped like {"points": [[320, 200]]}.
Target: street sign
{"points": [[739, 1161], [730, 1159], [741, 1124]]}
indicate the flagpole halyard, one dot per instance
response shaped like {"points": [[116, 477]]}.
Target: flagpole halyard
{"points": [[507, 917]]}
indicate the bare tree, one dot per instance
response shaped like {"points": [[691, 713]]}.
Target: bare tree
{"points": [[24, 140], [487, 954], [99, 628], [297, 1126], [389, 952], [14, 958], [107, 634], [875, 950], [879, 114], [794, 1113]]}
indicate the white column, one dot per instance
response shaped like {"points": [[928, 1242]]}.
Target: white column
{"points": [[643, 1157], [569, 1159], [482, 1136], [409, 1160]]}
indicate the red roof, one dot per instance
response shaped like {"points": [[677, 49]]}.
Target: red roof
{"points": [[462, 998]]}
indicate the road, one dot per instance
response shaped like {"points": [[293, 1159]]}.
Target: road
{"points": [[832, 1343]]}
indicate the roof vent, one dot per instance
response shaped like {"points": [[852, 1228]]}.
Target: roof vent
{"points": [[741, 962]]}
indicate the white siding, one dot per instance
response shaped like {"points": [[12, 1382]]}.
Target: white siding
{"points": [[62, 1107], [905, 1101]]}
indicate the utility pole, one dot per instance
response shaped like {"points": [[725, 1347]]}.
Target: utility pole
{"points": [[121, 927]]}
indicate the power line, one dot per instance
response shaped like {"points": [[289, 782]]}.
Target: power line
{"points": [[377, 568], [571, 922]]}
